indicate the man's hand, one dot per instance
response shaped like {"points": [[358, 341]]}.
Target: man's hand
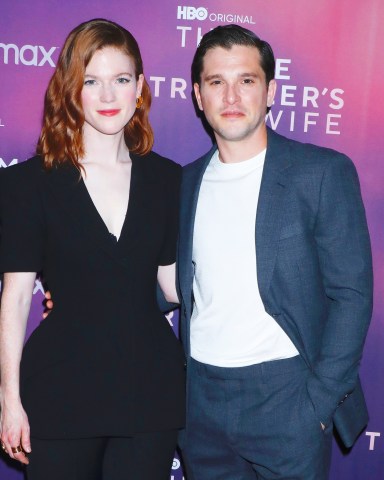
{"points": [[48, 304]]}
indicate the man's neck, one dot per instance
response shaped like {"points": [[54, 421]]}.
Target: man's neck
{"points": [[240, 150]]}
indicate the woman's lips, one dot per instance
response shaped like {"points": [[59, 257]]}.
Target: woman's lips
{"points": [[108, 113]]}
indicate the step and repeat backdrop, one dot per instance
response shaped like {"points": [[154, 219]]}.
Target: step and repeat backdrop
{"points": [[330, 75]]}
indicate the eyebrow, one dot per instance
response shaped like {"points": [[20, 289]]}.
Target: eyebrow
{"points": [[218, 76], [117, 75]]}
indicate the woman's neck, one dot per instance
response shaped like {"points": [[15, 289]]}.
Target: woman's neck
{"points": [[105, 149]]}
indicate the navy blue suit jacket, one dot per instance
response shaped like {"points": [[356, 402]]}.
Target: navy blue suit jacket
{"points": [[314, 268]]}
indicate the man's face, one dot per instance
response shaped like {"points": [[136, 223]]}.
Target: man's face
{"points": [[233, 93]]}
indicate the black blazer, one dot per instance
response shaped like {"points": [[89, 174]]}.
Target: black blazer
{"points": [[105, 361]]}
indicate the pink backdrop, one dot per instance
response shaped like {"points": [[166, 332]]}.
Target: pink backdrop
{"points": [[330, 91]]}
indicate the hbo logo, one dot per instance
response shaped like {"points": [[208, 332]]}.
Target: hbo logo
{"points": [[192, 13]]}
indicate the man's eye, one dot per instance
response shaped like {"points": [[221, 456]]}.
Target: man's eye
{"points": [[247, 80]]}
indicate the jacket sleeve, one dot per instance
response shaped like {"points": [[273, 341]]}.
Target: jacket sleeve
{"points": [[21, 219], [343, 246], [164, 306]]}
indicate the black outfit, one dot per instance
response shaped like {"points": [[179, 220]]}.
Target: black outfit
{"points": [[146, 456], [105, 363]]}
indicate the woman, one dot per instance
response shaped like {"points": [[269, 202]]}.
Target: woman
{"points": [[102, 379]]}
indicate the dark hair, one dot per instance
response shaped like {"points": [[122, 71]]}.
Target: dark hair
{"points": [[226, 36], [61, 138]]}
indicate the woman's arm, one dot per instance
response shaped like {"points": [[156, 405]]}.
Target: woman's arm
{"points": [[15, 304], [166, 276]]}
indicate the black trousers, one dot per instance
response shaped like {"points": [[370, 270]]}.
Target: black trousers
{"points": [[146, 456]]}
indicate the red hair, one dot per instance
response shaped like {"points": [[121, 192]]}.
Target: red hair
{"points": [[61, 138]]}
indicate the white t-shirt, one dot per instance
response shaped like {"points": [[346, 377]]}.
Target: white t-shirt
{"points": [[229, 326]]}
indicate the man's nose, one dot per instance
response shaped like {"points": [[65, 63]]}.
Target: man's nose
{"points": [[231, 94]]}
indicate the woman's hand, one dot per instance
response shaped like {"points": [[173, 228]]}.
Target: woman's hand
{"points": [[48, 304], [15, 302], [14, 428]]}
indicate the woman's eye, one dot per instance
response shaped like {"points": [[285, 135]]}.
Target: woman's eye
{"points": [[123, 80], [89, 82]]}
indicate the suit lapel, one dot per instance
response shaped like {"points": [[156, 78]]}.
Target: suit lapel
{"points": [[269, 210], [268, 217], [71, 195], [139, 200], [192, 178]]}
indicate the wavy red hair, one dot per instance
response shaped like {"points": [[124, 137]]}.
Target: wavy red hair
{"points": [[61, 138]]}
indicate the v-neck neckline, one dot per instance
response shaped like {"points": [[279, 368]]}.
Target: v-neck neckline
{"points": [[112, 237]]}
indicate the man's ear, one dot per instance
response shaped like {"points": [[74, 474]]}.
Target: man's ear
{"points": [[271, 92], [196, 88]]}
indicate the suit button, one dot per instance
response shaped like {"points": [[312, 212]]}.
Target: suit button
{"points": [[342, 401]]}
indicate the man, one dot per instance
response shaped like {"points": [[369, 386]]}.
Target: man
{"points": [[275, 280]]}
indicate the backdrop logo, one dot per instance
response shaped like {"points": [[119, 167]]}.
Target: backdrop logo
{"points": [[29, 55], [372, 437], [176, 464], [4, 164], [38, 287], [201, 13], [192, 13]]}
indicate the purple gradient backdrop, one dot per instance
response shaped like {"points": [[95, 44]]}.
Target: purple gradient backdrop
{"points": [[331, 45]]}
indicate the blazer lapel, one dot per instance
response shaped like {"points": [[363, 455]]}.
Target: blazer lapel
{"points": [[139, 200], [190, 188], [269, 209], [268, 217], [71, 195]]}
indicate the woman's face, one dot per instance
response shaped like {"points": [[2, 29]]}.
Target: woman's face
{"points": [[109, 92]]}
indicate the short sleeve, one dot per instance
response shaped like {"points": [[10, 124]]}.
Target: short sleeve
{"points": [[21, 219], [172, 196]]}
